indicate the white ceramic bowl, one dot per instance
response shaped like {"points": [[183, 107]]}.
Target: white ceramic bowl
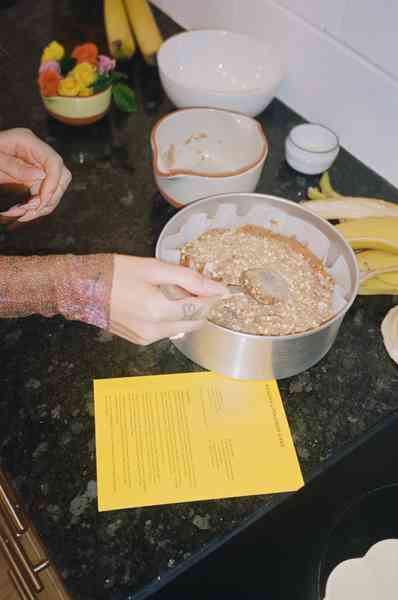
{"points": [[219, 69], [199, 152], [311, 148]]}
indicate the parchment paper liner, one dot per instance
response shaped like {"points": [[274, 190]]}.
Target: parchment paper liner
{"points": [[276, 220]]}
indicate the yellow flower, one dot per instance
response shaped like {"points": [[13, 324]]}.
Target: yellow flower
{"points": [[85, 74], [68, 87], [53, 51], [86, 91]]}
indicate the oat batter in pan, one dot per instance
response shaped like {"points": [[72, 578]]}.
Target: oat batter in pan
{"points": [[223, 254]]}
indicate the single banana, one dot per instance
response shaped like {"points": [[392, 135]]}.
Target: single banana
{"points": [[360, 243], [348, 207], [371, 233], [382, 285], [374, 260], [382, 268], [120, 38], [144, 27], [344, 208], [371, 290]]}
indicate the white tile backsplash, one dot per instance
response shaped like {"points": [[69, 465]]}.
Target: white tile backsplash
{"points": [[325, 14], [193, 14], [257, 18], [331, 49], [371, 28]]}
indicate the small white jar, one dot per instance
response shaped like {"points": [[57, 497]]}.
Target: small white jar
{"points": [[311, 148]]}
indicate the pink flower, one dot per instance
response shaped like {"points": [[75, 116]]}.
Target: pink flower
{"points": [[105, 64], [51, 64]]}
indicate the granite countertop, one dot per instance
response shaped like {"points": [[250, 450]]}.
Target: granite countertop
{"points": [[48, 365]]}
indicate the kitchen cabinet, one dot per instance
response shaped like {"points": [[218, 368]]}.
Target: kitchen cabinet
{"points": [[26, 573]]}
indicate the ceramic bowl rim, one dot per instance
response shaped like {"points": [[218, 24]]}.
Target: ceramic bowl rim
{"points": [[181, 172], [253, 91], [44, 98], [321, 126]]}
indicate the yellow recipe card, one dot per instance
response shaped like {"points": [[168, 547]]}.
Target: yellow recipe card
{"points": [[193, 436]]}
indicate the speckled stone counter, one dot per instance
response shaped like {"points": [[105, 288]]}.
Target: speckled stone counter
{"points": [[47, 366]]}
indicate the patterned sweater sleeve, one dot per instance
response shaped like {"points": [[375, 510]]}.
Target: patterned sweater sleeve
{"points": [[77, 287]]}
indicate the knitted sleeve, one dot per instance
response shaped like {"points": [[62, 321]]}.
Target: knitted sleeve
{"points": [[77, 287]]}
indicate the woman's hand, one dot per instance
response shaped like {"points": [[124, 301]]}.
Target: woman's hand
{"points": [[142, 313], [27, 160]]}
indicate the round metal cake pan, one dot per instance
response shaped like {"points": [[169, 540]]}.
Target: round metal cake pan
{"points": [[247, 356]]}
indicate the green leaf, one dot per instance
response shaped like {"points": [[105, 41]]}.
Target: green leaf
{"points": [[101, 83], [67, 64], [124, 97], [116, 76]]}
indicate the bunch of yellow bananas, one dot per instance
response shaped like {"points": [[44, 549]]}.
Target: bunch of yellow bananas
{"points": [[370, 226], [131, 22]]}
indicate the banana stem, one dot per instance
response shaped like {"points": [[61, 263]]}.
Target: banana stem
{"points": [[326, 187]]}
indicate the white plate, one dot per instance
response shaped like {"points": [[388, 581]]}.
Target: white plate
{"points": [[372, 577]]}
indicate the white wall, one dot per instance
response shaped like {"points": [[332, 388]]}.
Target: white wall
{"points": [[341, 58]]}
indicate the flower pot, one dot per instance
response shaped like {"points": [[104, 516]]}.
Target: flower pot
{"points": [[78, 110]]}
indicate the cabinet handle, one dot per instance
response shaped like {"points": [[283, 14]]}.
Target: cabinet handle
{"points": [[11, 508], [21, 563]]}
